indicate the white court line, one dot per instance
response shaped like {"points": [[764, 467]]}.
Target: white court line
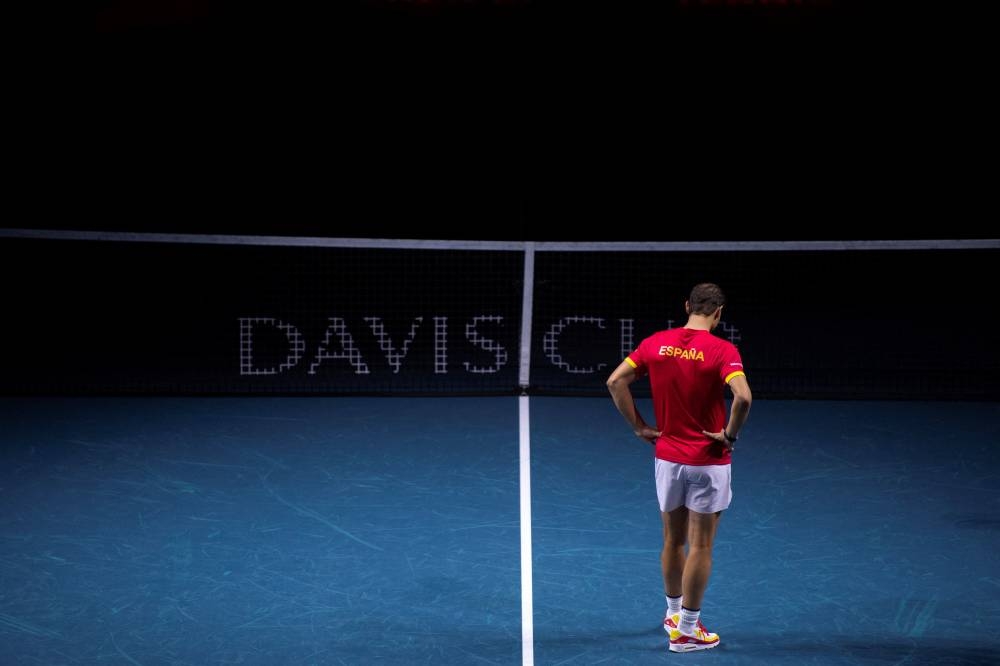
{"points": [[524, 455], [527, 604]]}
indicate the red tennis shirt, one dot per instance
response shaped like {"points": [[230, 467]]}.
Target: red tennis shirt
{"points": [[688, 369]]}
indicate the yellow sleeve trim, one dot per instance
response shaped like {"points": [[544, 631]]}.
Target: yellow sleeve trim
{"points": [[738, 373], [633, 364]]}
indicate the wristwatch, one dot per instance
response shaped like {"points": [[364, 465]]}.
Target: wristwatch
{"points": [[728, 437]]}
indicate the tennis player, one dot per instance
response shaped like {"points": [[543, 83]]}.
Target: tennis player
{"points": [[688, 368]]}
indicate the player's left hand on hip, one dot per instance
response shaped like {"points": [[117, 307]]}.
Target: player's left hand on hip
{"points": [[720, 438], [648, 434]]}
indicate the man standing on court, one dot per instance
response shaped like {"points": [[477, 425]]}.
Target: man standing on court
{"points": [[688, 368]]}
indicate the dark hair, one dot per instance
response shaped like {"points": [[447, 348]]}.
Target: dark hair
{"points": [[705, 298]]}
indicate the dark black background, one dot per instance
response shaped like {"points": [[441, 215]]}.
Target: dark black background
{"points": [[526, 120], [532, 120]]}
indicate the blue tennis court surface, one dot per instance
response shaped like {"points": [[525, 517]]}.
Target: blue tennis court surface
{"points": [[386, 531], [859, 533]]}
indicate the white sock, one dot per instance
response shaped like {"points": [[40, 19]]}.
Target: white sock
{"points": [[674, 604], [689, 620]]}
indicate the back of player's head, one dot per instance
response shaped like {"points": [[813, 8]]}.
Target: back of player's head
{"points": [[705, 298]]}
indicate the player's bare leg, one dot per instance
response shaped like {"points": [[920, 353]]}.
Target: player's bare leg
{"points": [[690, 633], [675, 535], [698, 568], [672, 557]]}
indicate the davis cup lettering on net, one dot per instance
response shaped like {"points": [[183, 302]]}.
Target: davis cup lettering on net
{"points": [[550, 343], [626, 342], [338, 344]]}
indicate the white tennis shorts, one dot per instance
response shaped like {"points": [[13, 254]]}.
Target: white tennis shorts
{"points": [[701, 488]]}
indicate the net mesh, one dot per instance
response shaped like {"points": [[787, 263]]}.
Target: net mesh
{"points": [[830, 324], [147, 317]]}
